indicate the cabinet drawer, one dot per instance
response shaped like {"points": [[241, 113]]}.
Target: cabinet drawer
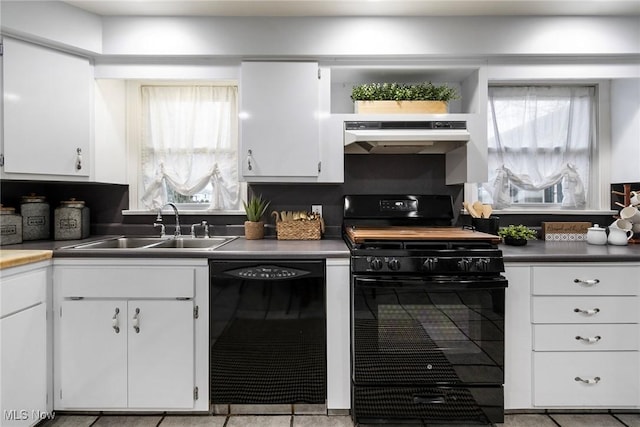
{"points": [[585, 310], [592, 337], [22, 290], [555, 382], [586, 280], [126, 282]]}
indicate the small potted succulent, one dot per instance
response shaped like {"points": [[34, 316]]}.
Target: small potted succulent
{"points": [[517, 235], [254, 226]]}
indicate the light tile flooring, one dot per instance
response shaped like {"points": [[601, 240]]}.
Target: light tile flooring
{"points": [[511, 420]]}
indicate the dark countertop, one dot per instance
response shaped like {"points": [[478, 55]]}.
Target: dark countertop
{"points": [[238, 248], [534, 251], [541, 251]]}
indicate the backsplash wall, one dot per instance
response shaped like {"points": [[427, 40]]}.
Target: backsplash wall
{"points": [[364, 174]]}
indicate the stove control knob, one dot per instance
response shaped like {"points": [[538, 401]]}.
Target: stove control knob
{"points": [[482, 264], [393, 264], [464, 264], [429, 264], [375, 263]]}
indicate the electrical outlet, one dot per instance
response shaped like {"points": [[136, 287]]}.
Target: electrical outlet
{"points": [[317, 209]]}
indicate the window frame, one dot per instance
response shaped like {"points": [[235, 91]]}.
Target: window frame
{"points": [[134, 148], [598, 200]]}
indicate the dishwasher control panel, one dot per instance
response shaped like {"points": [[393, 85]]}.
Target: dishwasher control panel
{"points": [[267, 272]]}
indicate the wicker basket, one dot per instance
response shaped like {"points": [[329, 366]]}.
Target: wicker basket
{"points": [[299, 230]]}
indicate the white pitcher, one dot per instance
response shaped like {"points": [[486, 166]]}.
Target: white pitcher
{"points": [[618, 236]]}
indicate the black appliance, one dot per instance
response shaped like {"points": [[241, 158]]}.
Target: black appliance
{"points": [[427, 315], [268, 332]]}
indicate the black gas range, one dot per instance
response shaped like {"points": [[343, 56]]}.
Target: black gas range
{"points": [[427, 313]]}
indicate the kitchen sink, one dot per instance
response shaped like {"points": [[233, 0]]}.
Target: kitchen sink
{"points": [[157, 243], [121, 243], [210, 243]]}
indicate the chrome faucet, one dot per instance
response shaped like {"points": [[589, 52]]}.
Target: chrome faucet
{"points": [[177, 233]]}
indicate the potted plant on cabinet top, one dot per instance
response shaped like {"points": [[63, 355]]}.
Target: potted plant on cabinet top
{"points": [[397, 98], [254, 226], [517, 235]]}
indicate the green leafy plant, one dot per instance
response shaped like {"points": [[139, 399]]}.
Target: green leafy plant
{"points": [[255, 208], [517, 232], [403, 92]]}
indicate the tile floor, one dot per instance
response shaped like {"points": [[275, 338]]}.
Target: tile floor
{"points": [[551, 419]]}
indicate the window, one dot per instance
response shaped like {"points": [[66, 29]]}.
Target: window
{"points": [[540, 141], [188, 146]]}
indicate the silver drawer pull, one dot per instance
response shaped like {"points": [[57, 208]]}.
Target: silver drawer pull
{"points": [[136, 321], [589, 339], [596, 380], [587, 312], [115, 322], [586, 282]]}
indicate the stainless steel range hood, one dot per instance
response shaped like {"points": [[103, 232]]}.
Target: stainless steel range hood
{"points": [[404, 137]]}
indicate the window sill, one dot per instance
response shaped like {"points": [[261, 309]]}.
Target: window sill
{"points": [[187, 212], [534, 211]]}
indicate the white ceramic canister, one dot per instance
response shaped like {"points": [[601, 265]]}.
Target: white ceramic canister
{"points": [[10, 226], [596, 235], [35, 217], [71, 220]]}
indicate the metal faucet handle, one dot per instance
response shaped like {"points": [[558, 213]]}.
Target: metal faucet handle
{"points": [[202, 224], [162, 230]]}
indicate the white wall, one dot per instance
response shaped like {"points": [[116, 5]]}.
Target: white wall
{"points": [[371, 36], [318, 37], [110, 136], [53, 23], [625, 130]]}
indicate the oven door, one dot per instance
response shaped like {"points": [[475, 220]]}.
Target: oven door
{"points": [[414, 331], [428, 350]]}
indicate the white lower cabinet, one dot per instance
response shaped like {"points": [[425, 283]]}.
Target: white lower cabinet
{"points": [[585, 335], [136, 353], [585, 379], [139, 344], [24, 345], [572, 336]]}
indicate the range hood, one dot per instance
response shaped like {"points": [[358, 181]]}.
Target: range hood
{"points": [[404, 137]]}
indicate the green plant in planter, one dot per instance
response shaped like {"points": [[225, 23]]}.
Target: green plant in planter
{"points": [[255, 208], [403, 92], [517, 232]]}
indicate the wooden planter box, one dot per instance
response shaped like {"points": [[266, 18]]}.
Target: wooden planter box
{"points": [[401, 107]]}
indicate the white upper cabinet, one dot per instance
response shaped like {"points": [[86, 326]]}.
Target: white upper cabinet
{"points": [[280, 131], [47, 113]]}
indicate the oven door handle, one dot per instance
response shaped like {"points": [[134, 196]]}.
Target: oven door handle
{"points": [[459, 283], [429, 399]]}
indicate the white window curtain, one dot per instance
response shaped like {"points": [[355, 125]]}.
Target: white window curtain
{"points": [[189, 140], [539, 137]]}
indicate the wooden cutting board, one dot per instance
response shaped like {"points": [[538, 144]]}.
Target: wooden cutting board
{"points": [[362, 234]]}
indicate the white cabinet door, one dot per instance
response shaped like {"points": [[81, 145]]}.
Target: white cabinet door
{"points": [[24, 367], [161, 354], [93, 354], [47, 111], [279, 120]]}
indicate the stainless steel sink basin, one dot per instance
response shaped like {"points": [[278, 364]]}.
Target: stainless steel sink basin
{"points": [[210, 243], [156, 243], [121, 243]]}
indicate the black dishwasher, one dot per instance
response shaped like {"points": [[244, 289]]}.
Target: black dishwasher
{"points": [[268, 332]]}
